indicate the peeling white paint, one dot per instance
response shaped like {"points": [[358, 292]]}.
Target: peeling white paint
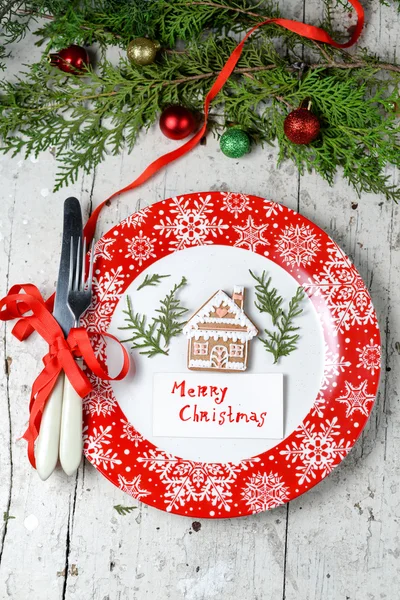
{"points": [[208, 584], [31, 522]]}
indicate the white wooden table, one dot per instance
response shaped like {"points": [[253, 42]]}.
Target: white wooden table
{"points": [[66, 541]]}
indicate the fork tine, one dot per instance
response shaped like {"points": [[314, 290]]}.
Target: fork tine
{"points": [[90, 278], [77, 265], [83, 265], [71, 264]]}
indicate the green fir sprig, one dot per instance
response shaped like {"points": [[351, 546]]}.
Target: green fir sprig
{"points": [[146, 338], [268, 299], [170, 313], [124, 510], [151, 280], [7, 516], [82, 119], [154, 337], [284, 341], [116, 22]]}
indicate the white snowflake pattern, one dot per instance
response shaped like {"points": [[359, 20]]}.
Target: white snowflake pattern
{"points": [[136, 218], [95, 448], [187, 480], [130, 433], [132, 487], [99, 344], [370, 357], [250, 235], [140, 248], [333, 366], [107, 289], [272, 208], [298, 245], [235, 203], [356, 398], [319, 405], [97, 318], [109, 286], [318, 449], [264, 491], [344, 292], [190, 226], [101, 400], [96, 321], [102, 249]]}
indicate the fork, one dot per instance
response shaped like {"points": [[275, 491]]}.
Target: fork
{"points": [[79, 299]]}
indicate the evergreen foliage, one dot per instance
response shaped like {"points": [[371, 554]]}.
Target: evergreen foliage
{"points": [[154, 337], [283, 340], [268, 299], [124, 510], [84, 118], [151, 280]]}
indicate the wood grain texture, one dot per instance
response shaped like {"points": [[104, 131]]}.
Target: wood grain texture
{"points": [[340, 541]]}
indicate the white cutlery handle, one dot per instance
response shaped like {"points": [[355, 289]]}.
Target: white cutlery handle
{"points": [[47, 445], [71, 444]]}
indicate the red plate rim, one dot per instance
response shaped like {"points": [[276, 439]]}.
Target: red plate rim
{"points": [[340, 411]]}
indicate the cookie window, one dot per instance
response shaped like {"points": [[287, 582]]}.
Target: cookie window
{"points": [[200, 348], [236, 350]]}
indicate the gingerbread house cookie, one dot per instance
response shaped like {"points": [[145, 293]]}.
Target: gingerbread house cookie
{"points": [[219, 334]]}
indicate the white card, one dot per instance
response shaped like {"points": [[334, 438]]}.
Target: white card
{"points": [[218, 405]]}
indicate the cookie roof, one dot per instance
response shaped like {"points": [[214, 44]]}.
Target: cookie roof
{"points": [[239, 322]]}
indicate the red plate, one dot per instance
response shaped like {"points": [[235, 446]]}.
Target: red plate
{"points": [[351, 363]]}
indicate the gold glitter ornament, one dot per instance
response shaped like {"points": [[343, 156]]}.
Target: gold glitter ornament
{"points": [[142, 51]]}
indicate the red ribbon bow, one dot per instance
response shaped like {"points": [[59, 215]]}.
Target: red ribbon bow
{"points": [[60, 357]]}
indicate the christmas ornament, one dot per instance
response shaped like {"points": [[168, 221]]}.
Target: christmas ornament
{"points": [[177, 122], [73, 59], [235, 143], [142, 51], [301, 126]]}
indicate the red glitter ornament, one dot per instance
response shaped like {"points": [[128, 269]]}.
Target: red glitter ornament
{"points": [[177, 122], [73, 59], [301, 126]]}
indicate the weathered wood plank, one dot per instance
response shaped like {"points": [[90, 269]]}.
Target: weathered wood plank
{"points": [[34, 552], [5, 360], [342, 537]]}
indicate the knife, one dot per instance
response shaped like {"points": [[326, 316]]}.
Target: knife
{"points": [[47, 446]]}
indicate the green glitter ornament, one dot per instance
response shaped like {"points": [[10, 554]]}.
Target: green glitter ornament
{"points": [[235, 143]]}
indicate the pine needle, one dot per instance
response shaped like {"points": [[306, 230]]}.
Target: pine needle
{"points": [[124, 510], [149, 338], [144, 338], [7, 516], [170, 313], [152, 280], [268, 299], [284, 341]]}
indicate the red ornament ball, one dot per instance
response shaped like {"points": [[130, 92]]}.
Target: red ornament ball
{"points": [[73, 59], [301, 126], [177, 122]]}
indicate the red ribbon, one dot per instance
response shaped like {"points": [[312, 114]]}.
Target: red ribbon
{"points": [[60, 357], [62, 351]]}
